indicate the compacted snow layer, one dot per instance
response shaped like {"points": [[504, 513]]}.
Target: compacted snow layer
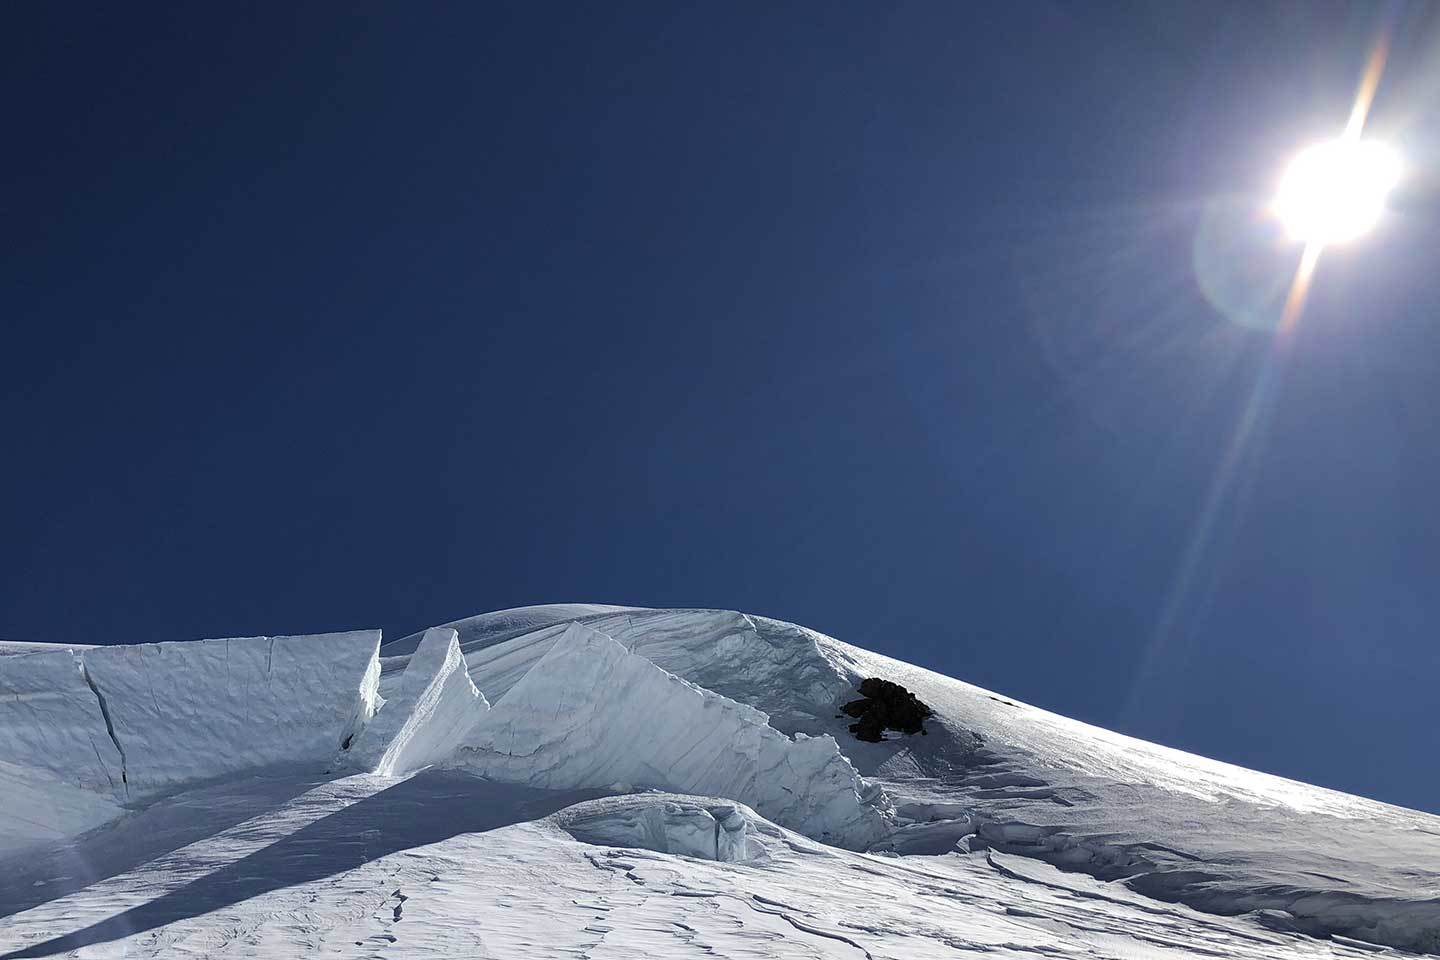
{"points": [[445, 867], [508, 623], [18, 648], [773, 666], [60, 770], [1166, 823], [429, 714], [52, 725], [971, 832], [590, 713], [184, 712], [85, 731], [703, 827], [996, 773]]}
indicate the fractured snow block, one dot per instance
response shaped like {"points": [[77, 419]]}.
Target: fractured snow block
{"points": [[60, 773], [190, 711], [431, 710], [592, 714]]}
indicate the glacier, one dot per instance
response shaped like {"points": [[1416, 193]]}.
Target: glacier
{"points": [[591, 713], [86, 731], [61, 772], [187, 712], [430, 714], [599, 780]]}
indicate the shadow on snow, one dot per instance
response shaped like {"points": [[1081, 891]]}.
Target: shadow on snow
{"points": [[424, 809]]}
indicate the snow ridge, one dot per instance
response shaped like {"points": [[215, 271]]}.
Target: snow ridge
{"points": [[592, 714], [429, 715], [735, 718]]}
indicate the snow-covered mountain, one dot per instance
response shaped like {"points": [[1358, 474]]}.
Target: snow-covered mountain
{"points": [[596, 781]]}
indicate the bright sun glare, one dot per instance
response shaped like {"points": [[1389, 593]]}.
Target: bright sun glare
{"points": [[1336, 191]]}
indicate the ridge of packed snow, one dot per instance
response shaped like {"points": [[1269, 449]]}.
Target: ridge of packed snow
{"points": [[739, 715], [590, 713], [999, 774], [190, 711], [430, 713], [60, 771], [773, 666], [498, 624], [24, 648]]}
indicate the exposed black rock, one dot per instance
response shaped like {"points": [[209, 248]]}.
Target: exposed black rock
{"points": [[885, 706]]}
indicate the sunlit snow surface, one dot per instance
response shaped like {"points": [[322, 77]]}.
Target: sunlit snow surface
{"points": [[1005, 832]]}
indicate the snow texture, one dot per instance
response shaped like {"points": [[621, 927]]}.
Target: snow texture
{"points": [[998, 774], [20, 648], [778, 669], [191, 711], [429, 714], [442, 867], [707, 828], [590, 714], [508, 623], [60, 770], [1006, 832]]}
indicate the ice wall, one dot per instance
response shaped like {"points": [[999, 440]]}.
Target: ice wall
{"points": [[430, 712], [60, 771], [592, 714], [190, 711]]}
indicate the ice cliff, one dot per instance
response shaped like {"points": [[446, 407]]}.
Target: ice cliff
{"points": [[591, 714]]}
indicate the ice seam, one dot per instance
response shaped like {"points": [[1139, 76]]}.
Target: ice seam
{"points": [[109, 725]]}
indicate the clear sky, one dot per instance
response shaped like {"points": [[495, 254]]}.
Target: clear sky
{"points": [[940, 327]]}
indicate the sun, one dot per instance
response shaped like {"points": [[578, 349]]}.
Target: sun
{"points": [[1336, 191]]}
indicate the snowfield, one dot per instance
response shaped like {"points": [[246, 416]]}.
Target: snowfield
{"points": [[597, 781]]}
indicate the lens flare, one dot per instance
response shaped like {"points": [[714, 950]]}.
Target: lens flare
{"points": [[1336, 191]]}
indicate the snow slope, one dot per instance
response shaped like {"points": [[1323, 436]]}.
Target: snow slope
{"points": [[1006, 831], [996, 773], [446, 867]]}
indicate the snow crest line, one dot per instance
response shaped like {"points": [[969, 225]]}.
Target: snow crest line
{"points": [[591, 713]]}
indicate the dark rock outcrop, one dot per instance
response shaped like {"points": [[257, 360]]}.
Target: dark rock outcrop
{"points": [[885, 706]]}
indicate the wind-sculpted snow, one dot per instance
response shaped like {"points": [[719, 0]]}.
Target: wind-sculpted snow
{"points": [[1170, 824], [590, 714], [429, 715], [83, 732], [191, 711], [773, 666], [1007, 831], [60, 771], [704, 827], [443, 867], [500, 624], [996, 773]]}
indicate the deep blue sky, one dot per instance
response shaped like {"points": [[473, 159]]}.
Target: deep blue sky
{"points": [[903, 321]]}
